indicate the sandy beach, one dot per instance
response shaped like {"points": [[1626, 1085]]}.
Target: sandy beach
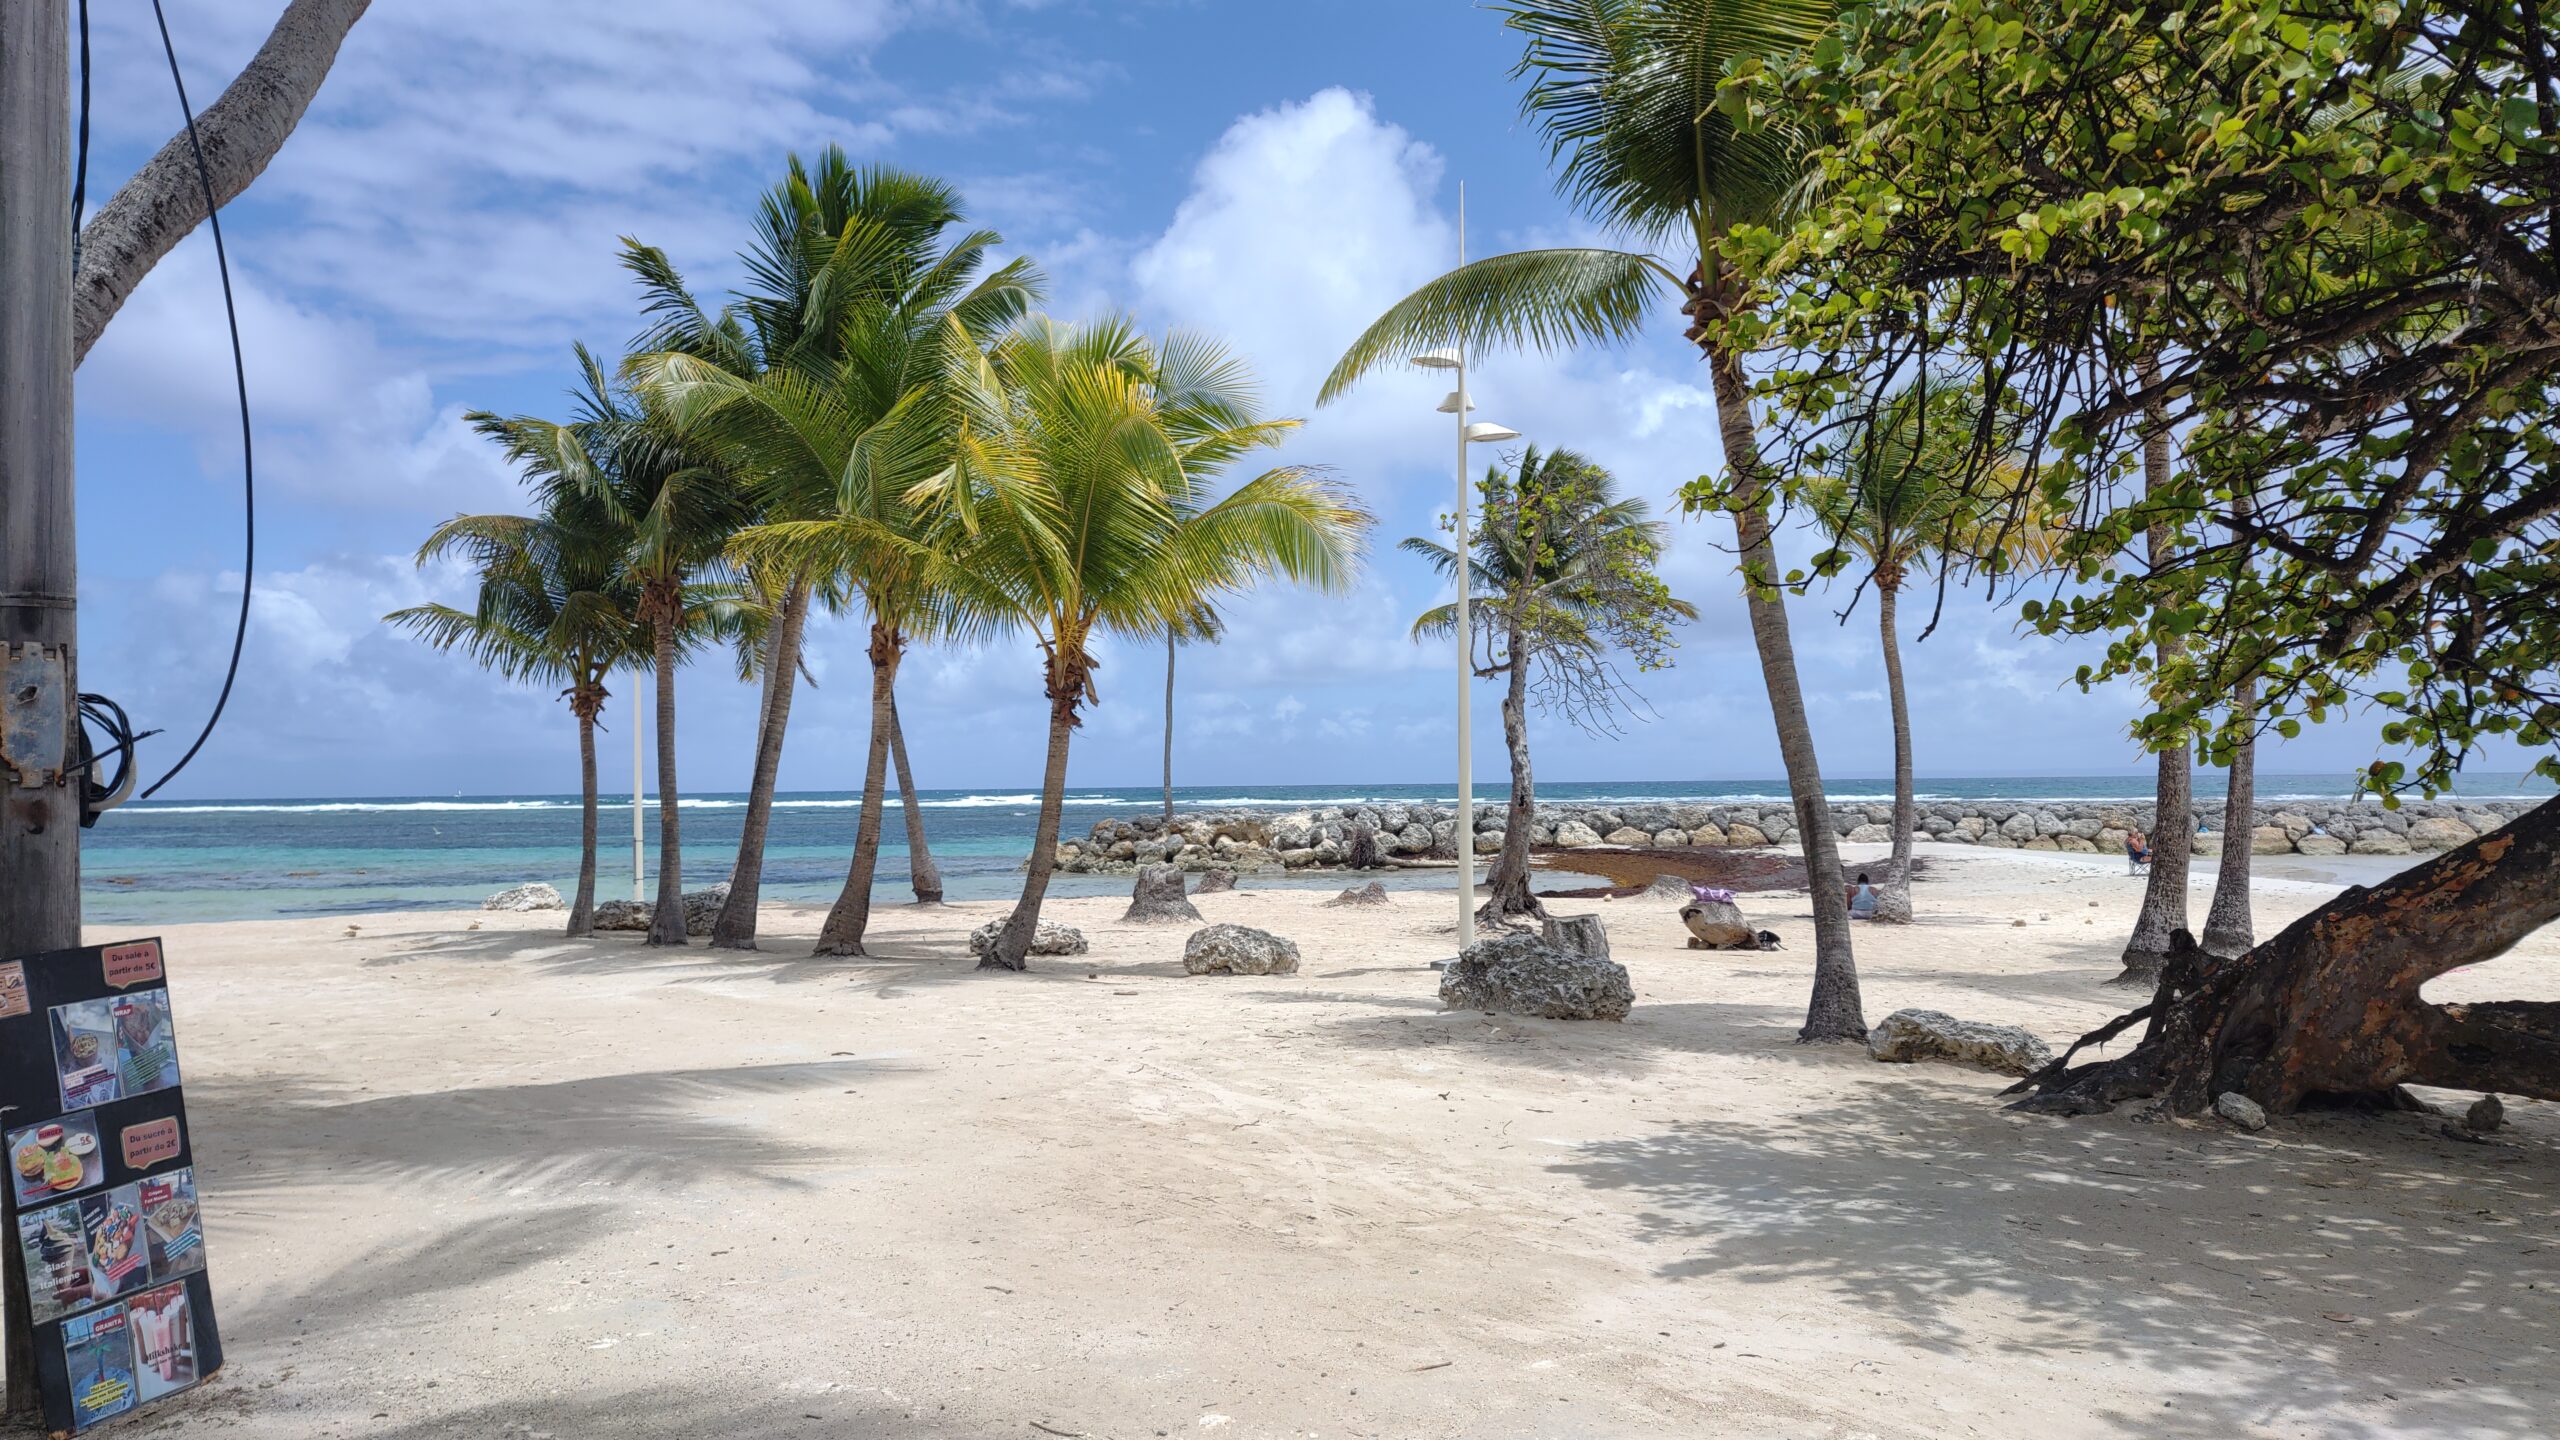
{"points": [[463, 1178]]}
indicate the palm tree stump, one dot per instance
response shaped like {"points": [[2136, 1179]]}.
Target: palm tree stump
{"points": [[1158, 898]]}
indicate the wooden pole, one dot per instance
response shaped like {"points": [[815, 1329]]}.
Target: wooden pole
{"points": [[39, 800]]}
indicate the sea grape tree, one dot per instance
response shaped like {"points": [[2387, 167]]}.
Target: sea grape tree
{"points": [[2313, 242]]}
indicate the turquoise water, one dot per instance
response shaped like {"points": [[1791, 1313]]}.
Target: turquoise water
{"points": [[171, 862]]}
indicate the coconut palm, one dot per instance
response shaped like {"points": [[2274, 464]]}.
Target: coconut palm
{"points": [[554, 607], [1201, 626], [1627, 95], [1896, 487], [851, 276], [835, 448], [1084, 474], [675, 508], [1561, 576], [923, 876]]}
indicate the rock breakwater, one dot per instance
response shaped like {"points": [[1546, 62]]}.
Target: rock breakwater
{"points": [[1371, 836]]}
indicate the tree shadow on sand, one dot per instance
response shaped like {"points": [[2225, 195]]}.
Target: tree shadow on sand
{"points": [[1634, 1045], [273, 1136], [575, 1411], [2350, 1267], [901, 955]]}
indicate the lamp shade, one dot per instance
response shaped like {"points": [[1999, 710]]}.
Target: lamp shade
{"points": [[1441, 359], [1485, 430], [1449, 404]]}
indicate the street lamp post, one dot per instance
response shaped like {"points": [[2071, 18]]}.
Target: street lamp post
{"points": [[1454, 358]]}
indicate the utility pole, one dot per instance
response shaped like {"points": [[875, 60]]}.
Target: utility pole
{"points": [[39, 679]]}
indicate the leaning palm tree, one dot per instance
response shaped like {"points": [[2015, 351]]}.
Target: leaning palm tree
{"points": [[1628, 95], [1561, 578], [676, 508], [923, 876], [1083, 476], [1897, 488], [1201, 626], [852, 274], [555, 607]]}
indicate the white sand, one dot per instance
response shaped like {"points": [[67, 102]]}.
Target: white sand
{"points": [[489, 1183]]}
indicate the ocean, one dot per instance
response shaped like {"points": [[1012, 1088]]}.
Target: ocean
{"points": [[169, 862]]}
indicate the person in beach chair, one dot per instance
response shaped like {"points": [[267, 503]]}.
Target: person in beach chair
{"points": [[1862, 899], [2137, 852]]}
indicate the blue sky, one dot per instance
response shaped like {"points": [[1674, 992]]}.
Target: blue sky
{"points": [[442, 229]]}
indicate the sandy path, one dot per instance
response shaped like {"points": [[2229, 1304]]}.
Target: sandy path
{"points": [[488, 1183]]}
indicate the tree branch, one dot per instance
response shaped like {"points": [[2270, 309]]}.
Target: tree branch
{"points": [[241, 132]]}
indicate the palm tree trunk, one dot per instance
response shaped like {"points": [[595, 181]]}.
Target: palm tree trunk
{"points": [[1169, 644], [1507, 891], [1013, 945], [2228, 927], [736, 927], [2173, 823], [582, 911], [666, 923], [922, 873], [1893, 902], [842, 934], [1835, 1011]]}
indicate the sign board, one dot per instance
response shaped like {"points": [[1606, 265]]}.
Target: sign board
{"points": [[101, 1187]]}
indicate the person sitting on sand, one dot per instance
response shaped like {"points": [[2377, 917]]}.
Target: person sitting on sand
{"points": [[1862, 899], [2137, 850]]}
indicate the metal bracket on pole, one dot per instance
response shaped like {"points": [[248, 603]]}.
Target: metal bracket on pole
{"points": [[35, 714]]}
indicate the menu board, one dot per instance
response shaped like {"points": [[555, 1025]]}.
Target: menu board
{"points": [[102, 1212]]}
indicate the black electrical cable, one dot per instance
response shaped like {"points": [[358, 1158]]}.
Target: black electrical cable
{"points": [[240, 377], [80, 168], [97, 796]]}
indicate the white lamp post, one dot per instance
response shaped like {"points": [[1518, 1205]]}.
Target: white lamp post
{"points": [[1454, 358]]}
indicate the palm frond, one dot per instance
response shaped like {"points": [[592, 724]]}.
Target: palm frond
{"points": [[1540, 300]]}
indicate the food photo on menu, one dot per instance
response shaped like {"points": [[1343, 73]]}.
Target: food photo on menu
{"points": [[55, 1158], [56, 1250], [119, 1259], [97, 1349], [146, 1044], [164, 1341], [170, 1223], [84, 1052]]}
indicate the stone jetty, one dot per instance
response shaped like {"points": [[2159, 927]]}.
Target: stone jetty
{"points": [[1336, 837]]}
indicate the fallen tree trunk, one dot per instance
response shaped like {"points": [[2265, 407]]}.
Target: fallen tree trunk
{"points": [[2331, 1007]]}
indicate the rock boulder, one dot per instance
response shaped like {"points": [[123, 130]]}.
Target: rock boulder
{"points": [[1373, 893], [1051, 938], [536, 896], [702, 908], [2439, 833], [623, 915], [1912, 1035], [1524, 975], [1238, 950]]}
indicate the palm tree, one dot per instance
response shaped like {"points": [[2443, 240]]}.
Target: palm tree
{"points": [[1627, 93], [836, 449], [1561, 574], [851, 279], [2229, 928], [1898, 488], [1083, 475], [1201, 625], [554, 608], [675, 508], [923, 876]]}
